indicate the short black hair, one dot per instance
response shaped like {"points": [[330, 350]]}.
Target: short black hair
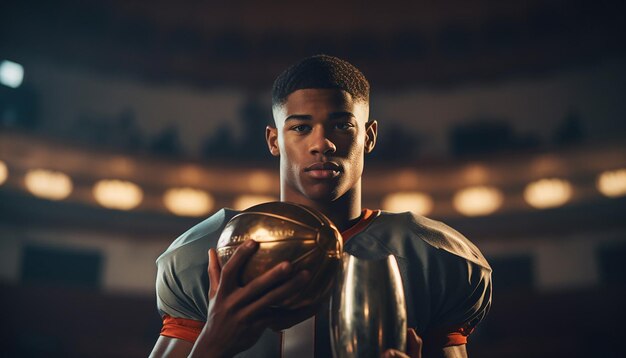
{"points": [[320, 71]]}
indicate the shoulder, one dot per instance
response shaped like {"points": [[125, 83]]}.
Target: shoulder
{"points": [[443, 237], [182, 282], [400, 232], [195, 242]]}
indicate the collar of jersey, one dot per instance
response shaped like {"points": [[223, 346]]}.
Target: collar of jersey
{"points": [[367, 216]]}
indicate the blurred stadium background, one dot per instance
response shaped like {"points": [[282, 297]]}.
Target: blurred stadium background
{"points": [[123, 123]]}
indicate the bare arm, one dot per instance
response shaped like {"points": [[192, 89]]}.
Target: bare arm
{"points": [[449, 352]]}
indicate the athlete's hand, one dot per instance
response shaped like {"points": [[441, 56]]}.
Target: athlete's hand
{"points": [[237, 315], [413, 347]]}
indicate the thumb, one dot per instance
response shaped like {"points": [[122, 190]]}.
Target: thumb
{"points": [[214, 271], [414, 344]]}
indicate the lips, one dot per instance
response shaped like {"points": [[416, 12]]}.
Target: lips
{"points": [[323, 170], [323, 166]]}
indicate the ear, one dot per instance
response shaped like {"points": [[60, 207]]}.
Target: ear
{"points": [[371, 131], [271, 136]]}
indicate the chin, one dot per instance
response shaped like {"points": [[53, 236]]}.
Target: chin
{"points": [[324, 194], [321, 196]]}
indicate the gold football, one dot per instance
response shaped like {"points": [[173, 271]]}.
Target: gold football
{"points": [[286, 232]]}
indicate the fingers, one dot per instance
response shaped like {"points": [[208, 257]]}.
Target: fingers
{"points": [[413, 344], [278, 294], [269, 279], [214, 273], [266, 290], [392, 353], [413, 347], [236, 262]]}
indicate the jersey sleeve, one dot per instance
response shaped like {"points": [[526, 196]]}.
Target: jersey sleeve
{"points": [[182, 282], [179, 310], [463, 301], [459, 284], [181, 328]]}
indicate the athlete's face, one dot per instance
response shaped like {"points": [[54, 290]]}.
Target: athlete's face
{"points": [[321, 137]]}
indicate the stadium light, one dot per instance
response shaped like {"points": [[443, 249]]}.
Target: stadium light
{"points": [[612, 183], [245, 201], [548, 193], [48, 184], [4, 172], [188, 201], [117, 194], [260, 182], [11, 74], [478, 200], [416, 202]]}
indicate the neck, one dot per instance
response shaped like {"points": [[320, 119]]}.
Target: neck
{"points": [[343, 211]]}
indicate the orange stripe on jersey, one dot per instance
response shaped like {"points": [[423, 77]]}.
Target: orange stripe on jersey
{"points": [[455, 339], [181, 328], [366, 218], [449, 337]]}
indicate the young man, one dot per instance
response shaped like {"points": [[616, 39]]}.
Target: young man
{"points": [[321, 135]]}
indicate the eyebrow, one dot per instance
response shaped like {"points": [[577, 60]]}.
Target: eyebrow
{"points": [[308, 117], [304, 117]]}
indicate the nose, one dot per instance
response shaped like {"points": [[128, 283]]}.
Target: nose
{"points": [[320, 143]]}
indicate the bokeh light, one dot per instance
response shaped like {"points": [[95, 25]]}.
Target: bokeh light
{"points": [[117, 194], [260, 181], [548, 193], [245, 201], [416, 202], [48, 184], [11, 74], [4, 172], [612, 183], [188, 201], [478, 200]]}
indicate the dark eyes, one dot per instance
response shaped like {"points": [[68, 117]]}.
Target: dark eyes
{"points": [[301, 128], [342, 126]]}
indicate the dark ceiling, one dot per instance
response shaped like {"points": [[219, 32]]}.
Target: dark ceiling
{"points": [[246, 43]]}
